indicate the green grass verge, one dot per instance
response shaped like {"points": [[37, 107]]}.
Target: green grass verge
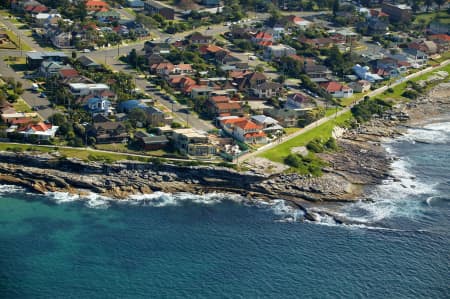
{"points": [[22, 106], [14, 39], [399, 89], [278, 153], [290, 131], [80, 153]]}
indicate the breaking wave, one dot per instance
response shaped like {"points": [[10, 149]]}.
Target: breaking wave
{"points": [[5, 189], [399, 196], [91, 200], [437, 133]]}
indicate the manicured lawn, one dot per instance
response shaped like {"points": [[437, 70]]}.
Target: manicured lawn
{"points": [[348, 101], [331, 111], [323, 131], [116, 147]]}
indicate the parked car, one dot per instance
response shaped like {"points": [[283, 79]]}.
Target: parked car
{"points": [[42, 95]]}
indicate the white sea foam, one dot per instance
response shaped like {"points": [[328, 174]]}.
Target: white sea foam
{"points": [[394, 198], [431, 133], [157, 199], [4, 189], [287, 212], [62, 197], [442, 126], [97, 201], [161, 199]]}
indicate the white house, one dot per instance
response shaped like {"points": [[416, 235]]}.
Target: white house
{"points": [[42, 131], [270, 125], [42, 18], [337, 89], [363, 73], [243, 129], [278, 51], [83, 89]]}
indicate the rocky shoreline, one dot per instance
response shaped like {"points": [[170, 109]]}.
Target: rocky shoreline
{"points": [[360, 162]]}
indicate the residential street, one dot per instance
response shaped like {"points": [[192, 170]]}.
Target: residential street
{"points": [[109, 56], [29, 97]]}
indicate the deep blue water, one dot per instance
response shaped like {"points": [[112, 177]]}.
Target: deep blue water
{"points": [[211, 247]]}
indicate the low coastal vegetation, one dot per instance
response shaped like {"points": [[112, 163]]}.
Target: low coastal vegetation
{"points": [[309, 164], [365, 109]]}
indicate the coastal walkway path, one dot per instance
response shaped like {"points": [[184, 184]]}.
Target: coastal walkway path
{"points": [[93, 150], [317, 123]]}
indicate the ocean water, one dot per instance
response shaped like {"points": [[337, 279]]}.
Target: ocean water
{"points": [[218, 246]]}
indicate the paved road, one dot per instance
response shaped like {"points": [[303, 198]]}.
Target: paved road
{"points": [[328, 118], [179, 110], [30, 98], [21, 33]]}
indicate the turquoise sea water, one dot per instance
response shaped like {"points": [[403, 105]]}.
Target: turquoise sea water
{"points": [[213, 247]]}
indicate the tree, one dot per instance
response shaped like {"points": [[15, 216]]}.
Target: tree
{"points": [[428, 3], [58, 119], [132, 57], [335, 7], [74, 55], [137, 115], [440, 3], [335, 59], [80, 11], [415, 5]]}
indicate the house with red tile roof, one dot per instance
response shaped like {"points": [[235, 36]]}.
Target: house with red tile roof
{"points": [[68, 73], [337, 89], [222, 105], [297, 21], [243, 129], [442, 41], [41, 130], [318, 43], [96, 5], [210, 49], [35, 8], [262, 37], [168, 69]]}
